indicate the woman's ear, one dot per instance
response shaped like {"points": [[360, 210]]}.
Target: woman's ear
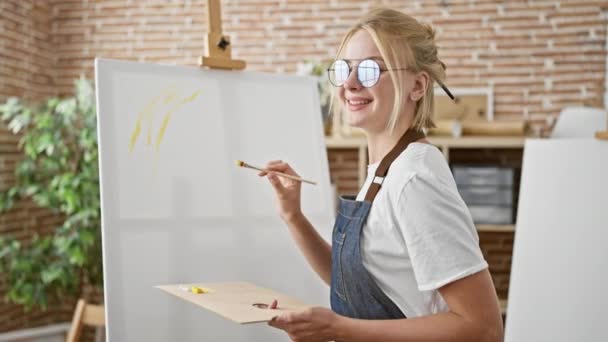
{"points": [[421, 82]]}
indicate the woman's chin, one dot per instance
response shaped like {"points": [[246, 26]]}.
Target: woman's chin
{"points": [[355, 120], [356, 124], [365, 125]]}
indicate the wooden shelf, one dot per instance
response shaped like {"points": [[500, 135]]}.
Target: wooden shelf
{"points": [[445, 143], [479, 141], [496, 228], [441, 141]]}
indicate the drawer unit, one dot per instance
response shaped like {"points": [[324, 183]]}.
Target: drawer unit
{"points": [[485, 214], [487, 192], [486, 195], [468, 175]]}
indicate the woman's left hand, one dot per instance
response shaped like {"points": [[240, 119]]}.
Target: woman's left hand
{"points": [[309, 325]]}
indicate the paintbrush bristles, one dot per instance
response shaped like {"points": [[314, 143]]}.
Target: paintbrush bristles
{"points": [[243, 164]]}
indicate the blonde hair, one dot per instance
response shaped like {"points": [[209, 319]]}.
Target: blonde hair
{"points": [[403, 43]]}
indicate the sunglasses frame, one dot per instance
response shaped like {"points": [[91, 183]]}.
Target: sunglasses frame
{"points": [[351, 68], [380, 69]]}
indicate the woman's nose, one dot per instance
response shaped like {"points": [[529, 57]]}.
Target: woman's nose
{"points": [[352, 82]]}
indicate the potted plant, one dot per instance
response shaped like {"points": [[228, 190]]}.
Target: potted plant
{"points": [[58, 170]]}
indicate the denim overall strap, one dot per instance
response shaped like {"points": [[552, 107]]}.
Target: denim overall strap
{"points": [[354, 293]]}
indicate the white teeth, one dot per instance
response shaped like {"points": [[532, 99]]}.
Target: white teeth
{"points": [[359, 102]]}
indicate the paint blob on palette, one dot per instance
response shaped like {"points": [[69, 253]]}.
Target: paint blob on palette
{"points": [[161, 107]]}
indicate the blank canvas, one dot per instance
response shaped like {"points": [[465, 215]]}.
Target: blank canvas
{"points": [[176, 208], [559, 274]]}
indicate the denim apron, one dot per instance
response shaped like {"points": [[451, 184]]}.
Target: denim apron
{"points": [[354, 293]]}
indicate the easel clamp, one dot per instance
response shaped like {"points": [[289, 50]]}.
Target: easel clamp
{"points": [[218, 54]]}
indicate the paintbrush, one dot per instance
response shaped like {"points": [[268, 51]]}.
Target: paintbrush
{"points": [[243, 164]]}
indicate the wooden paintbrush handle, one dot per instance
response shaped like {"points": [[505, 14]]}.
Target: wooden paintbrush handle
{"points": [[295, 178], [280, 174]]}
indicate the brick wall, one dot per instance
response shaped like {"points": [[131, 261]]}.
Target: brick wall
{"points": [[497, 249], [343, 167], [27, 57], [26, 70], [538, 55], [25, 66]]}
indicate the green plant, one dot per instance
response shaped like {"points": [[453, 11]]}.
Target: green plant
{"points": [[59, 171]]}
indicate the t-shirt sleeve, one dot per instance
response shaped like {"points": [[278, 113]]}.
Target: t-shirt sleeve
{"points": [[438, 231]]}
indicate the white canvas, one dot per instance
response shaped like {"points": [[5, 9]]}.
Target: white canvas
{"points": [[559, 274], [176, 208]]}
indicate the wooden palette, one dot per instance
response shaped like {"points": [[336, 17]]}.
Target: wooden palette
{"points": [[241, 302]]}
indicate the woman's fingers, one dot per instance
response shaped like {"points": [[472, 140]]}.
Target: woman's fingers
{"points": [[283, 168], [272, 162], [276, 183], [277, 166], [297, 330], [269, 164]]}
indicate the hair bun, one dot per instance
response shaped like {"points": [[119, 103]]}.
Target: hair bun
{"points": [[430, 31]]}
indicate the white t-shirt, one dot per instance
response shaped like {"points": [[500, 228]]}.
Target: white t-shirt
{"points": [[419, 234]]}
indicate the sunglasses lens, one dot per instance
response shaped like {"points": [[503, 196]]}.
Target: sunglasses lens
{"points": [[338, 72], [368, 73]]}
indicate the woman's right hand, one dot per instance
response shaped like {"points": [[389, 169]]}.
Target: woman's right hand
{"points": [[287, 190]]}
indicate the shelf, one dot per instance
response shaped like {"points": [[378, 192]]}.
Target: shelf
{"points": [[445, 143], [441, 141], [479, 141], [496, 228]]}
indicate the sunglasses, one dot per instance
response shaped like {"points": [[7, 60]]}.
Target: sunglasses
{"points": [[368, 74]]}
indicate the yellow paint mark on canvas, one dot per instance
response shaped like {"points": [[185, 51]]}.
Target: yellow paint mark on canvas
{"points": [[146, 112], [191, 97], [161, 132], [134, 135], [163, 127], [168, 97]]}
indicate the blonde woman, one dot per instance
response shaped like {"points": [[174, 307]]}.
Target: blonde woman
{"points": [[404, 263]]}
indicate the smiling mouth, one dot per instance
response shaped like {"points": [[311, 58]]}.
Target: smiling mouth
{"points": [[358, 102]]}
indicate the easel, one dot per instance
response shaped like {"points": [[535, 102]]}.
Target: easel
{"points": [[218, 45]]}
